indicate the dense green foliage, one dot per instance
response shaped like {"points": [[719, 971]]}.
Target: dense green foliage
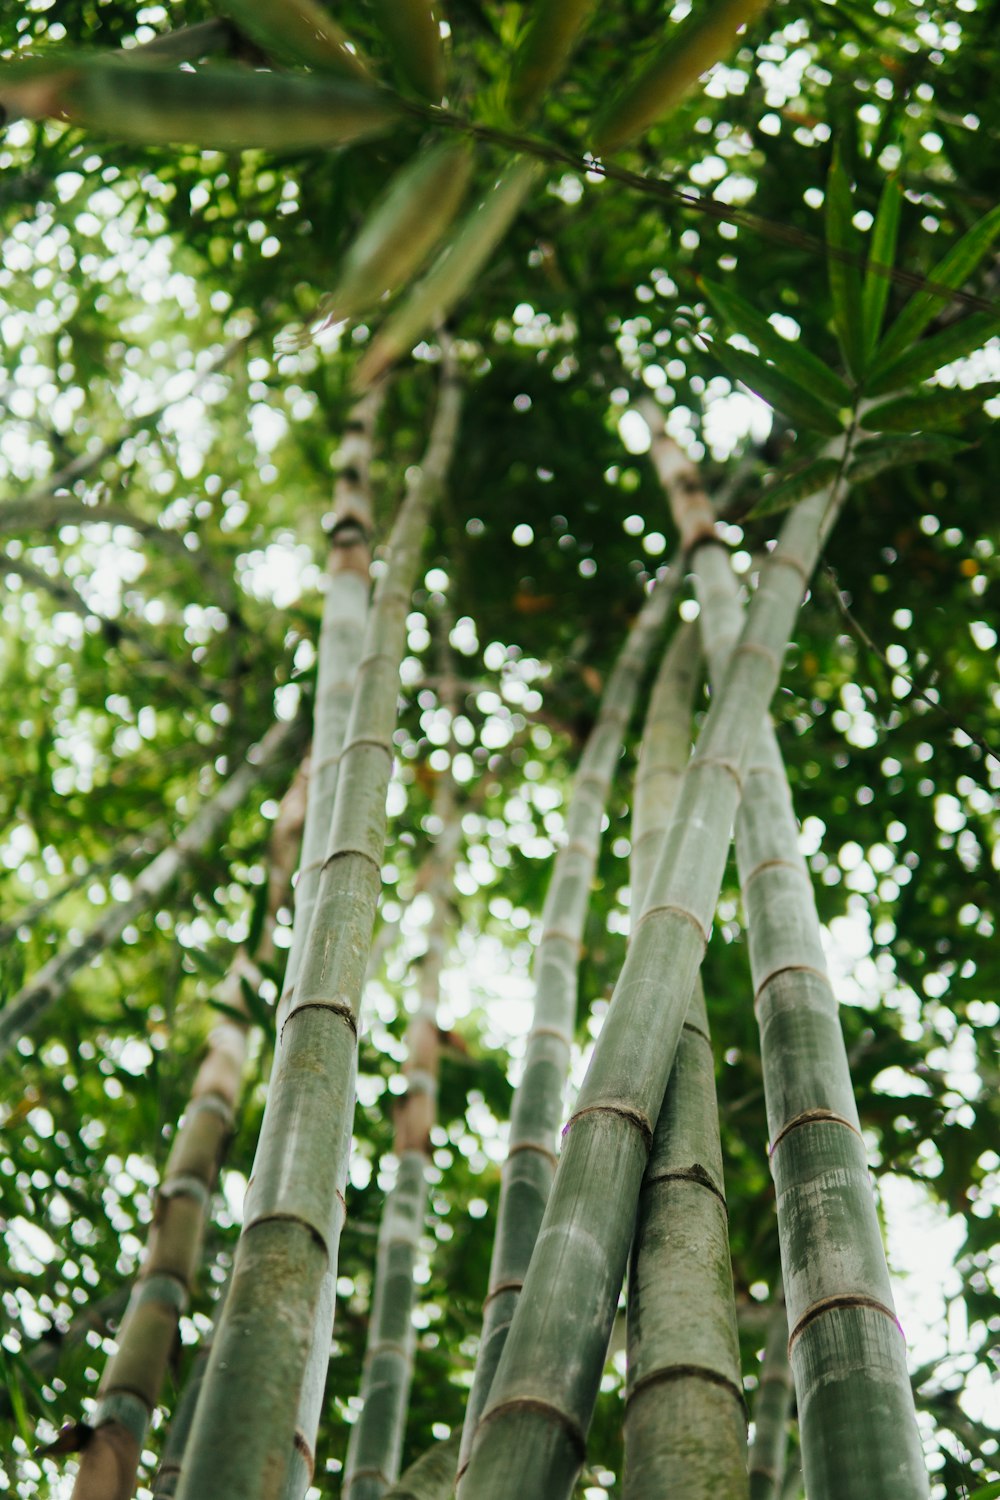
{"points": [[160, 605]]}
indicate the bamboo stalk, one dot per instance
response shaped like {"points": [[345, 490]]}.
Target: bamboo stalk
{"points": [[376, 1441], [856, 1415], [432, 1476], [341, 638], [685, 1427], [544, 1390], [285, 1267], [133, 1377], [538, 1100], [771, 1409], [22, 1014]]}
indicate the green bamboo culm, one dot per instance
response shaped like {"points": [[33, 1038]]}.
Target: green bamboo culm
{"points": [[856, 1416], [222, 107], [376, 1439], [536, 1111], [685, 1427], [544, 1390], [133, 1377], [341, 638], [168, 1473], [24, 1011], [431, 1476], [250, 1415], [772, 1408]]}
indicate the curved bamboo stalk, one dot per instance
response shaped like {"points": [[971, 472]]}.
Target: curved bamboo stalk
{"points": [[771, 1409], [544, 1391], [376, 1441], [685, 1427], [285, 1267], [432, 1476], [133, 1377], [856, 1413], [26, 1009], [538, 1100]]}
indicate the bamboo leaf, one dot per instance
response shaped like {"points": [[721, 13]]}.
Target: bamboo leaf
{"points": [[227, 108], [986, 1492], [845, 281], [411, 29], [451, 274], [873, 457], [544, 50], [928, 356], [297, 31], [258, 916], [778, 390], [788, 492], [795, 361], [937, 408], [256, 1008], [881, 258], [689, 50], [402, 229], [952, 271]]}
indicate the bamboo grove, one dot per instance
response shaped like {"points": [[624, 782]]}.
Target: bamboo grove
{"points": [[499, 616]]}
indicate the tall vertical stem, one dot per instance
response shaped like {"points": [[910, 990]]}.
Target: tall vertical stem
{"points": [[545, 1387], [685, 1428], [251, 1411], [538, 1099], [856, 1413], [771, 1409]]}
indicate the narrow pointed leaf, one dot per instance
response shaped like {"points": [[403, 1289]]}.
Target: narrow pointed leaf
{"points": [[452, 273], [227, 108], [544, 50], [297, 31], [413, 36], [777, 389], [952, 270], [795, 361], [806, 481], [928, 413], [845, 281], [402, 229], [881, 258], [702, 40], [880, 454], [928, 356]]}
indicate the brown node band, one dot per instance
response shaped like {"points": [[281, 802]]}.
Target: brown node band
{"points": [[333, 1007], [681, 911], [695, 1174], [844, 1301], [682, 1372], [789, 969], [699, 762], [776, 864], [532, 1146], [543, 1409], [622, 1111], [499, 1289], [813, 1117]]}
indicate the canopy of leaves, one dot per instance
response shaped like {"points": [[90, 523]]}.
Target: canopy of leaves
{"points": [[161, 598]]}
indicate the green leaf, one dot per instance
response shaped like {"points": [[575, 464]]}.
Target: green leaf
{"points": [[225, 107], [544, 50], [792, 359], [986, 1491], [690, 49], [258, 916], [881, 259], [927, 357], [411, 30], [873, 457], [845, 280], [778, 390], [952, 272], [805, 481], [298, 31], [932, 410], [257, 1009]]}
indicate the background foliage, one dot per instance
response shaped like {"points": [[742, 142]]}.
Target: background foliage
{"points": [[139, 660]]}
